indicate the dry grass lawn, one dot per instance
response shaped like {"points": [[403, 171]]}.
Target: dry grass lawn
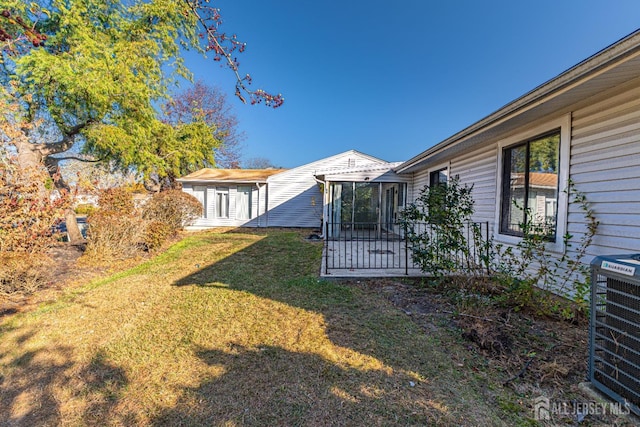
{"points": [[230, 329]]}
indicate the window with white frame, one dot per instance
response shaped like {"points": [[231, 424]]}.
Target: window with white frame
{"points": [[222, 202], [243, 202], [512, 190]]}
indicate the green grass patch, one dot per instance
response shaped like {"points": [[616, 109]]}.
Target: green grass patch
{"points": [[233, 328]]}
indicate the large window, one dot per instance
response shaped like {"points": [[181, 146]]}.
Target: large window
{"points": [[243, 202], [530, 178], [222, 202]]}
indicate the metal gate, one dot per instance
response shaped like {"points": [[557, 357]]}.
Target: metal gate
{"points": [[369, 246]]}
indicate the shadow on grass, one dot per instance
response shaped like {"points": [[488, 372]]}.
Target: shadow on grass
{"points": [[375, 367], [283, 268], [31, 386], [269, 386]]}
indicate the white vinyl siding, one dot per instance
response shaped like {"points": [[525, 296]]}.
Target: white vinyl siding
{"points": [[420, 180], [605, 165], [295, 199], [479, 168]]}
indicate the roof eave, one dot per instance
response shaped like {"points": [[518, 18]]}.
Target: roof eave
{"points": [[219, 181], [583, 70]]}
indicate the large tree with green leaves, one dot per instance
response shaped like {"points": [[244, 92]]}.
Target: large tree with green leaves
{"points": [[87, 76]]}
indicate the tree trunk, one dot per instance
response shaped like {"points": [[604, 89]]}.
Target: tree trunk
{"points": [[73, 230], [30, 158]]}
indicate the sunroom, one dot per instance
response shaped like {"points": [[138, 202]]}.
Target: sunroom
{"points": [[362, 211], [363, 202]]}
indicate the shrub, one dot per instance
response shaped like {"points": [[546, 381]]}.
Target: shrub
{"points": [[529, 276], [85, 209], [29, 211], [115, 230], [113, 235], [156, 233], [22, 273], [175, 208], [116, 200], [440, 232]]}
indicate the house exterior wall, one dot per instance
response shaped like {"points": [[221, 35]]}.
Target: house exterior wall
{"points": [[479, 169], [292, 198], [605, 165], [210, 219], [295, 197]]}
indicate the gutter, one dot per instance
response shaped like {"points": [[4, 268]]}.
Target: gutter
{"points": [[324, 205]]}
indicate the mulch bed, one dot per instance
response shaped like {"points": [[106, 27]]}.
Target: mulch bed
{"points": [[529, 354]]}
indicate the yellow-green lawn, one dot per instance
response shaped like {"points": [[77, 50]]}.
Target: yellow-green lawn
{"points": [[233, 328]]}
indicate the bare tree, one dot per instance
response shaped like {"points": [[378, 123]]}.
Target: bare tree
{"points": [[209, 104]]}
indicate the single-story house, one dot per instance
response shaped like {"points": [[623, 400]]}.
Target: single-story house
{"points": [[230, 197], [583, 126], [276, 197]]}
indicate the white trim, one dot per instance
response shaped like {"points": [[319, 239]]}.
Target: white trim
{"points": [[564, 124]]}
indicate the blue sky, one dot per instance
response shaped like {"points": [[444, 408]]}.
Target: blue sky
{"points": [[392, 78]]}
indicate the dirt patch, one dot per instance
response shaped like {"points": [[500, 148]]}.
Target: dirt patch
{"points": [[68, 270], [529, 355], [64, 271]]}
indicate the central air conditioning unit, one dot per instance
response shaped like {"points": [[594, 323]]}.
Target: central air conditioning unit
{"points": [[614, 353]]}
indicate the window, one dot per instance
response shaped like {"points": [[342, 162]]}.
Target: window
{"points": [[530, 178], [222, 202], [438, 177], [200, 193], [243, 202]]}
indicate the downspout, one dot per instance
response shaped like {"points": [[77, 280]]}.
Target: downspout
{"points": [[324, 205], [258, 204], [266, 204], [379, 210]]}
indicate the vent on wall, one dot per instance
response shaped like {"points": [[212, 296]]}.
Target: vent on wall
{"points": [[351, 163], [614, 353]]}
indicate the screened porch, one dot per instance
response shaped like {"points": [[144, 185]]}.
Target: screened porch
{"points": [[358, 210]]}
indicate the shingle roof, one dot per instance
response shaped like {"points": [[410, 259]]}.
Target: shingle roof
{"points": [[231, 175]]}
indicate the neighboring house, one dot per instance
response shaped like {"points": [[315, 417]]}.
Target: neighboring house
{"points": [[230, 197], [268, 197], [583, 125]]}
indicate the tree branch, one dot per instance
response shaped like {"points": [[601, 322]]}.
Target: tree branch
{"points": [[216, 44], [49, 148], [80, 159]]}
